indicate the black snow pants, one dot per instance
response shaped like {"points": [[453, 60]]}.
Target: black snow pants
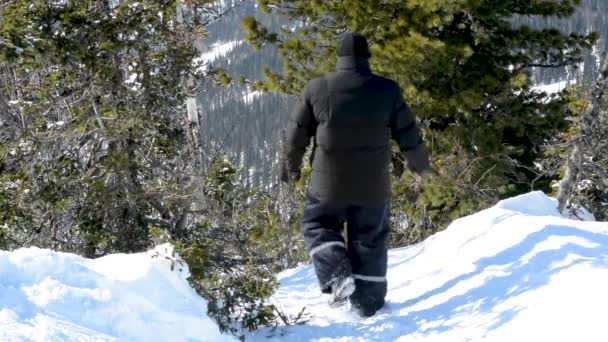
{"points": [[362, 255]]}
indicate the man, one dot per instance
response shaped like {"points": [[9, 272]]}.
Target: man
{"points": [[352, 115]]}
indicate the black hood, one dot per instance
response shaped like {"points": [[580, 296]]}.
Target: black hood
{"points": [[355, 45]]}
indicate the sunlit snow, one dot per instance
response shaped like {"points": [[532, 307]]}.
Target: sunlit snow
{"points": [[216, 50], [49, 296], [252, 95], [518, 271], [554, 88]]}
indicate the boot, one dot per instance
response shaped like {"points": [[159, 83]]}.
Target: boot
{"points": [[367, 307], [341, 289]]}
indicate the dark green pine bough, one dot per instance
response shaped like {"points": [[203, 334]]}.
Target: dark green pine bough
{"points": [[464, 68], [98, 154]]}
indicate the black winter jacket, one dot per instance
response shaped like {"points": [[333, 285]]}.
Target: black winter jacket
{"points": [[352, 114]]}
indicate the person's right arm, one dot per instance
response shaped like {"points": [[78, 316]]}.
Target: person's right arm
{"points": [[407, 134]]}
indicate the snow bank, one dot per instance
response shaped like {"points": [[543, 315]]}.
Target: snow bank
{"points": [[49, 296], [516, 272]]}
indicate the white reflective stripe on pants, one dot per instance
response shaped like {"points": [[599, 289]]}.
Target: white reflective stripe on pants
{"points": [[370, 278], [326, 245]]}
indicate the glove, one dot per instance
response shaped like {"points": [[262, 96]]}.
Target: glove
{"points": [[417, 159], [289, 177]]}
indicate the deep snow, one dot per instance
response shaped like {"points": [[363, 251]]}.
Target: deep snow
{"points": [[518, 271], [49, 296]]}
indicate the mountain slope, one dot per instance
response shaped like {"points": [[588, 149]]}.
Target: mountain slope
{"points": [[518, 271], [515, 272], [251, 130]]}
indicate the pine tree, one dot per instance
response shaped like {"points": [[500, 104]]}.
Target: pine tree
{"points": [[99, 150], [465, 70], [94, 124], [585, 179]]}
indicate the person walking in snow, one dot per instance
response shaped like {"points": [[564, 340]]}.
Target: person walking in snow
{"points": [[351, 115]]}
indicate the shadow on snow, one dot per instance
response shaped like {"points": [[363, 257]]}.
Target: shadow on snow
{"points": [[522, 276]]}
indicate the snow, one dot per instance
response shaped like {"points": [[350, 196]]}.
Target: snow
{"points": [[19, 102], [518, 271], [132, 78], [218, 50], [553, 88], [49, 296], [251, 95], [597, 54], [56, 124]]}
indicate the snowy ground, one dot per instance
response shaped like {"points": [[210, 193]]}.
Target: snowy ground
{"points": [[516, 272], [48, 296]]}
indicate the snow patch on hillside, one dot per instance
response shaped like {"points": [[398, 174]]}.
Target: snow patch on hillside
{"points": [[49, 296], [219, 49], [518, 271], [251, 95], [553, 88]]}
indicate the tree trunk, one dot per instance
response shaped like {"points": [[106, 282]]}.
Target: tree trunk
{"points": [[192, 110], [568, 183]]}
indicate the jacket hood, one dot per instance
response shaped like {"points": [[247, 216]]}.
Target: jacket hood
{"points": [[354, 44]]}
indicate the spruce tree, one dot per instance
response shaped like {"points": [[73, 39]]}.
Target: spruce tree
{"points": [[94, 133], [465, 70], [585, 176], [99, 153]]}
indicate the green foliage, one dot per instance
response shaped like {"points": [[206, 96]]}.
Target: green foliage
{"points": [[98, 91], [264, 223], [13, 190], [557, 149], [465, 70], [221, 180], [238, 298], [98, 155], [2, 238], [584, 180], [239, 241]]}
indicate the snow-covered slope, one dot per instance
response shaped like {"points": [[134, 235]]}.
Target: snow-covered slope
{"points": [[48, 296], [516, 272]]}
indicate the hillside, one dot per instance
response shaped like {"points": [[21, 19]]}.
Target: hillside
{"points": [[515, 272], [251, 130]]}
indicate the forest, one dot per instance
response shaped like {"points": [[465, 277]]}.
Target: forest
{"points": [[126, 124]]}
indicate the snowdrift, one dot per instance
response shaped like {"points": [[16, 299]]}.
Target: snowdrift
{"points": [[48, 296], [516, 272]]}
